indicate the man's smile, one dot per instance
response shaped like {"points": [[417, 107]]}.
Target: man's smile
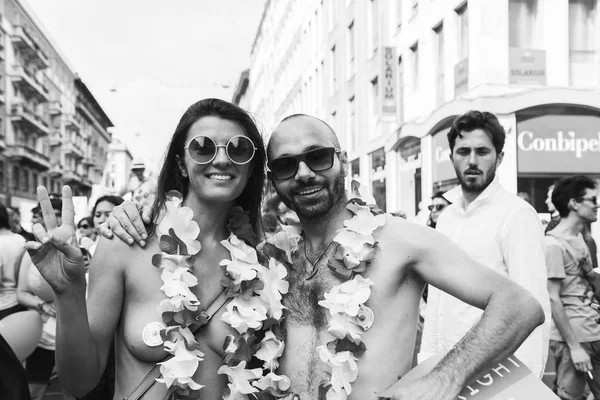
{"points": [[309, 191]]}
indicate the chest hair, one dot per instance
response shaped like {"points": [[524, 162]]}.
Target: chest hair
{"points": [[305, 292]]}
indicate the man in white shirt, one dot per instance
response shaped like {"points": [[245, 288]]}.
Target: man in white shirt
{"points": [[493, 226]]}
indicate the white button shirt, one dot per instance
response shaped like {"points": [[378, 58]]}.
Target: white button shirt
{"points": [[502, 232]]}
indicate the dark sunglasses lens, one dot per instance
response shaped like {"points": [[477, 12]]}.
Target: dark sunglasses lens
{"points": [[319, 159], [284, 167], [437, 207], [84, 226], [202, 149], [240, 149]]}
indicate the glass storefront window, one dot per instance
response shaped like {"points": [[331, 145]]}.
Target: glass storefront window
{"points": [[378, 177], [379, 193], [355, 168], [537, 189]]}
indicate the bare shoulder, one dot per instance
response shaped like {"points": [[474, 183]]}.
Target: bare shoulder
{"points": [[116, 254], [400, 235]]}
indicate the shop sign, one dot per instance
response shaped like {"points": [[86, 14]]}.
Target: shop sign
{"points": [[442, 168], [559, 144], [389, 96], [461, 77], [527, 66]]}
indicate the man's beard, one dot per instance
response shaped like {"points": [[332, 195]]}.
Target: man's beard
{"points": [[320, 206], [474, 186]]}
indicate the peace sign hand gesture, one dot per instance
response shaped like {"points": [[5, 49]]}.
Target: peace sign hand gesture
{"points": [[56, 254]]}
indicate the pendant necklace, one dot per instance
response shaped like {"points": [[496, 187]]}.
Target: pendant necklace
{"points": [[313, 272]]}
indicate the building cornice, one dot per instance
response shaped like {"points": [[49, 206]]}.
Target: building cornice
{"points": [[507, 104]]}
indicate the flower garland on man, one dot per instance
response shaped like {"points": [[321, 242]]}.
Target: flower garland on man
{"points": [[256, 309]]}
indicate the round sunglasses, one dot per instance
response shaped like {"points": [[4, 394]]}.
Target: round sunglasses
{"points": [[203, 150]]}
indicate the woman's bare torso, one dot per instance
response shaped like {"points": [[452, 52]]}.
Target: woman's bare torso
{"points": [[134, 359]]}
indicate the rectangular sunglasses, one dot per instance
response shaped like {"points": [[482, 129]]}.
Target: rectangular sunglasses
{"points": [[320, 159]]}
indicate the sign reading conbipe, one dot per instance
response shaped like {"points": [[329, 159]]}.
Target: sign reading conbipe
{"points": [[559, 144]]}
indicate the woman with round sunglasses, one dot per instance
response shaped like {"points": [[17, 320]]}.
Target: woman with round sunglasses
{"points": [[438, 204], [216, 160]]}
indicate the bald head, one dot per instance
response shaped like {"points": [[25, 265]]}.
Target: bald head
{"points": [[298, 126]]}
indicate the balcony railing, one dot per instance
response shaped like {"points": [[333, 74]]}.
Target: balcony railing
{"points": [[29, 84], [72, 149], [72, 123], [26, 154], [55, 139], [2, 53], [55, 108], [31, 121], [56, 171], [88, 161], [71, 176], [23, 41]]}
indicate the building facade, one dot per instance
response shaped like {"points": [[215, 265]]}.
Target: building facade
{"points": [[52, 130], [240, 93], [89, 156], [390, 76], [118, 168]]}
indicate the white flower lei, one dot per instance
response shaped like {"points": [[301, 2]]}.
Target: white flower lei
{"points": [[256, 310], [349, 317]]}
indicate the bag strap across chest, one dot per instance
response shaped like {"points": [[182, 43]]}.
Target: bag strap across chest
{"points": [[150, 378]]}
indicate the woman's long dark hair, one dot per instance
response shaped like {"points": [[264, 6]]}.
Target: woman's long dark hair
{"points": [[170, 177]]}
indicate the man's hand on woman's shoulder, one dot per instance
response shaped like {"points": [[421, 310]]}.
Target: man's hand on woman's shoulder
{"points": [[126, 222]]}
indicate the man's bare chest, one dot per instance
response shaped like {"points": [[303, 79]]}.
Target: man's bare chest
{"points": [[306, 290]]}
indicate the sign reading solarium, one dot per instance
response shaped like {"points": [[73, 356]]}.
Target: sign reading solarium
{"points": [[559, 144], [389, 92]]}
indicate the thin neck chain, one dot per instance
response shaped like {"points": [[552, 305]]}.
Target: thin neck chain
{"points": [[313, 272]]}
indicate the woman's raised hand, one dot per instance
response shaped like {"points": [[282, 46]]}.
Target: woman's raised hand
{"points": [[56, 254]]}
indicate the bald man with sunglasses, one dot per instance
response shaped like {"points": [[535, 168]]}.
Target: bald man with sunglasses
{"points": [[307, 168]]}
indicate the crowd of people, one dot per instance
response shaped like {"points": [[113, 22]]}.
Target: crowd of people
{"points": [[27, 307], [482, 277]]}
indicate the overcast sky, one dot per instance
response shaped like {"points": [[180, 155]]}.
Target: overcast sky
{"points": [[146, 61]]}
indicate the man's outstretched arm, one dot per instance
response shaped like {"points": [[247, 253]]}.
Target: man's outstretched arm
{"points": [[127, 223], [511, 313]]}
